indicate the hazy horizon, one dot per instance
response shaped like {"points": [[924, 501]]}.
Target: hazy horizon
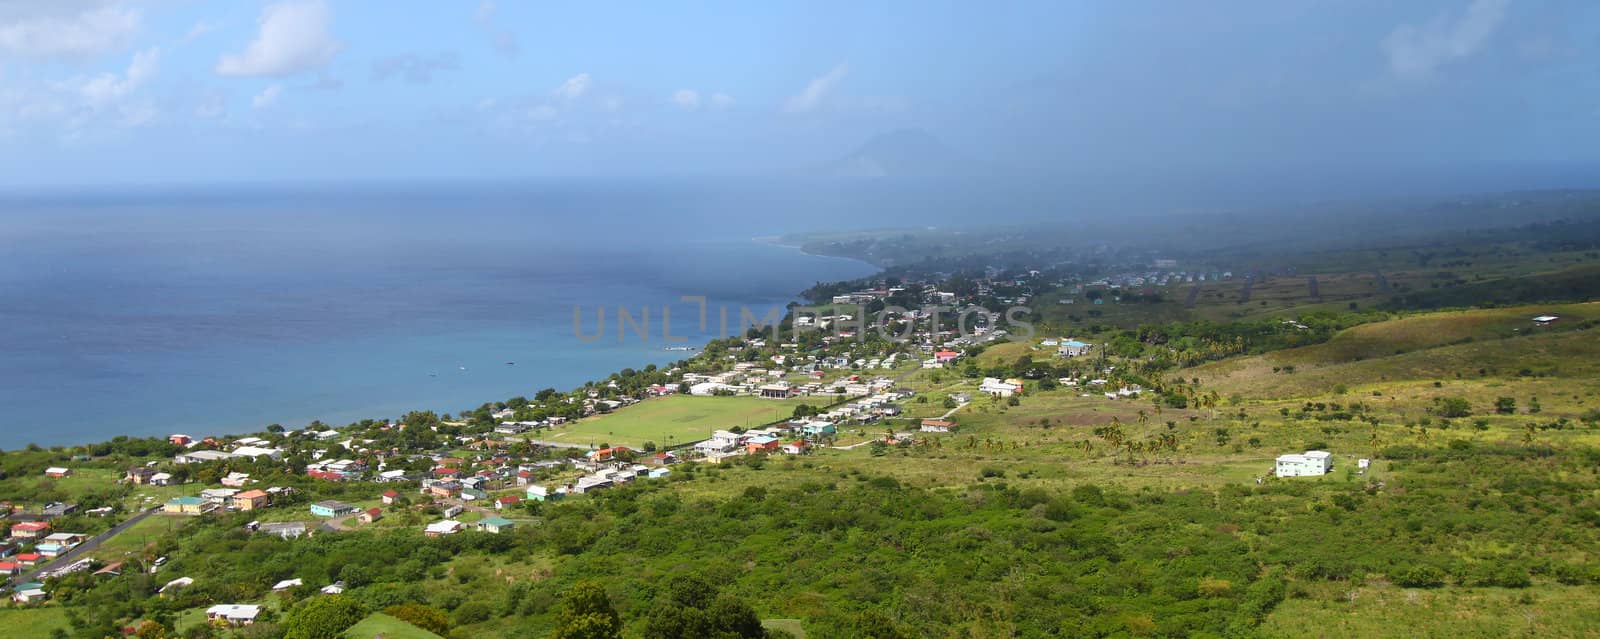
{"points": [[1301, 99]]}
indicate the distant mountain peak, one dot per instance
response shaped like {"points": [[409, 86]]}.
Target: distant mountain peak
{"points": [[902, 153]]}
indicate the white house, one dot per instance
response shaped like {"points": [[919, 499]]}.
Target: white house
{"points": [[1073, 348], [1309, 464], [995, 387], [233, 614]]}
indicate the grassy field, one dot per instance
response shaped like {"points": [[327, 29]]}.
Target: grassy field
{"points": [[33, 622], [382, 625], [676, 420], [1387, 611], [142, 534]]}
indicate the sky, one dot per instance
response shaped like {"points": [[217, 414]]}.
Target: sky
{"points": [[120, 92]]}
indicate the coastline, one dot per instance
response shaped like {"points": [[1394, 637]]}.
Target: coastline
{"points": [[777, 240], [393, 404]]}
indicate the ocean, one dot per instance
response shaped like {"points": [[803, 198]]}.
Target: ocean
{"points": [[223, 310]]}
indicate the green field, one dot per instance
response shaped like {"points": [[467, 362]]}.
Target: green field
{"points": [[33, 622], [1386, 611], [679, 419], [382, 625]]}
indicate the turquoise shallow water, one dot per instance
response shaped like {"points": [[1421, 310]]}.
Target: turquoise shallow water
{"points": [[153, 315]]}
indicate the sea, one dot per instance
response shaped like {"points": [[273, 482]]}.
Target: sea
{"points": [[220, 310]]}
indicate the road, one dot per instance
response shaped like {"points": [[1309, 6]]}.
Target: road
{"points": [[79, 550]]}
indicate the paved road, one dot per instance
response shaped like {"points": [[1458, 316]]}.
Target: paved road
{"points": [[81, 549]]}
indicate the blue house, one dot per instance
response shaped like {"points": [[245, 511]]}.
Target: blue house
{"points": [[332, 508]]}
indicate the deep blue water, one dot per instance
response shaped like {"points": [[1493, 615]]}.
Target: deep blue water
{"points": [[224, 311]]}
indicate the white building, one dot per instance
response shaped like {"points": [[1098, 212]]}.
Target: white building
{"points": [[1310, 464], [234, 614]]}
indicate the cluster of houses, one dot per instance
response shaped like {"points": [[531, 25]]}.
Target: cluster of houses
{"points": [[223, 500]]}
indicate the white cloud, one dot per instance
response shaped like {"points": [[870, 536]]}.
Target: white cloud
{"points": [[106, 88], [816, 91], [503, 41], [542, 112], [213, 106], [1417, 51], [267, 97], [686, 98], [416, 69], [574, 87], [293, 38], [58, 28], [199, 30], [721, 100]]}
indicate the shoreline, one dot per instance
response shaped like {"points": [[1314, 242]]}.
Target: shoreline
{"points": [[343, 417], [776, 240]]}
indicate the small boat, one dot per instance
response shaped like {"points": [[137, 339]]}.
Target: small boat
{"points": [[463, 368], [511, 363]]}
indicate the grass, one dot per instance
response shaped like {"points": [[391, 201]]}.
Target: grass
{"points": [[33, 622], [142, 534], [1386, 611], [379, 624], [678, 419], [790, 625]]}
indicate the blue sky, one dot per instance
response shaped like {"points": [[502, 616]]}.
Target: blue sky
{"points": [[179, 91]]}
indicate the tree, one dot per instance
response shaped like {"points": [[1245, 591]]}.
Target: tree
{"points": [[323, 618], [425, 617], [1505, 405], [1453, 407], [586, 613], [691, 608]]}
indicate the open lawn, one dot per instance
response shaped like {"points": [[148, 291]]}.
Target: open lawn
{"points": [[382, 625], [142, 534], [675, 420], [33, 622]]}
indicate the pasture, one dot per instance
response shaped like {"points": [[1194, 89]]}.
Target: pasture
{"points": [[675, 420]]}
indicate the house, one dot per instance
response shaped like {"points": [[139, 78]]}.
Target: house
{"points": [[10, 568], [608, 454], [1073, 348], [254, 452], [113, 569], [938, 426], [233, 614], [502, 503], [219, 496], [496, 525], [251, 500], [28, 559], [664, 458], [591, 482], [236, 480], [29, 593], [995, 387], [445, 489], [389, 497], [187, 505], [56, 509], [371, 515], [331, 508], [180, 440], [138, 475], [779, 390], [658, 473], [284, 530], [1309, 464], [201, 456], [161, 479], [799, 447], [1545, 320], [335, 588], [287, 584], [945, 357], [57, 471], [452, 511], [537, 492], [441, 528]]}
